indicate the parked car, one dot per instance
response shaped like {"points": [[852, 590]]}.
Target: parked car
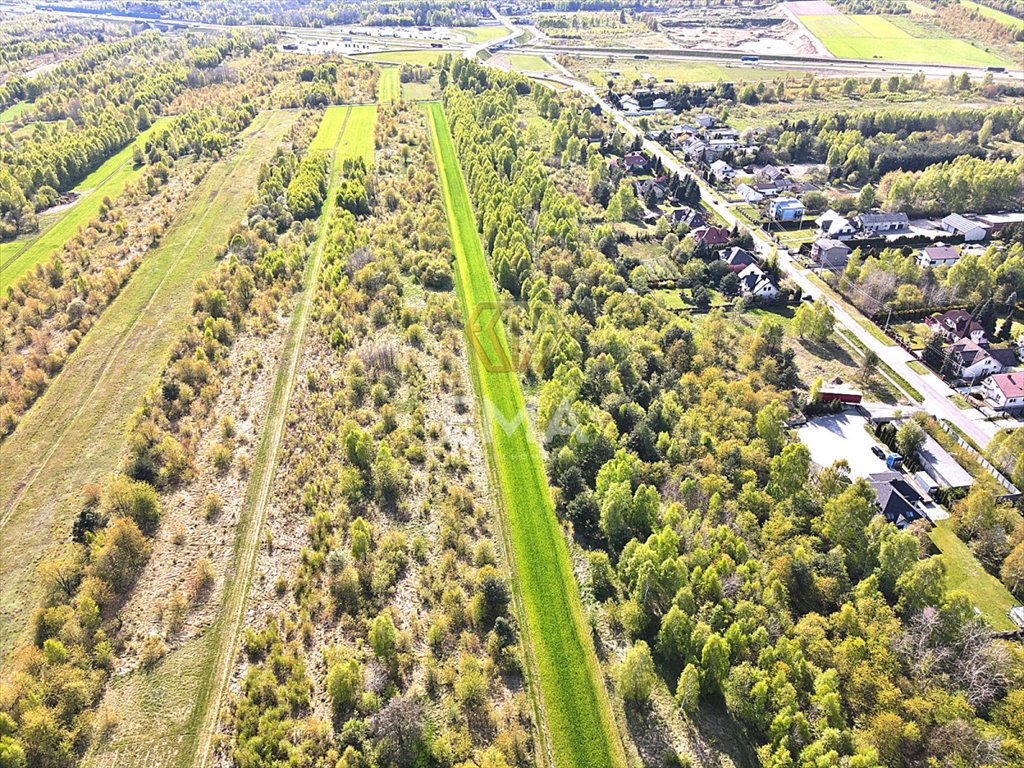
{"points": [[878, 452]]}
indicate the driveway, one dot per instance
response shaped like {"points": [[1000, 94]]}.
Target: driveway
{"points": [[842, 436]]}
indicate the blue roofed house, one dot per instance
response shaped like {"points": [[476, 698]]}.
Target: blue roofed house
{"points": [[785, 209]]}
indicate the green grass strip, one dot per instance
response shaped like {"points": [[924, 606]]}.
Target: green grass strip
{"points": [[576, 710], [389, 85], [109, 180]]}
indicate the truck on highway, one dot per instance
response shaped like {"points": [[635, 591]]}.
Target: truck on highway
{"points": [[750, 59]]}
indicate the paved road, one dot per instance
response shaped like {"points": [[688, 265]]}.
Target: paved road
{"points": [[934, 391]]}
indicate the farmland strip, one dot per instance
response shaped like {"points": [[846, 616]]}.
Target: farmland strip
{"points": [[580, 725]]}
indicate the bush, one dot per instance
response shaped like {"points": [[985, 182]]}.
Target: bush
{"points": [[135, 500]]}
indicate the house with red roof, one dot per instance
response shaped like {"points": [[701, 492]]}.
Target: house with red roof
{"points": [[711, 235], [1005, 391]]}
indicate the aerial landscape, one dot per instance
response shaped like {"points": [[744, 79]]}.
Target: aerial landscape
{"points": [[468, 384]]}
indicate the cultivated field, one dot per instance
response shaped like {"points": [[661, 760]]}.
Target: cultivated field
{"points": [[74, 433], [580, 725], [481, 34], [875, 37], [389, 86], [109, 180], [177, 703]]}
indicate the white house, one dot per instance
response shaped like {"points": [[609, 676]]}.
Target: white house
{"points": [[830, 224], [705, 120], [967, 228], [659, 103], [938, 256], [755, 284], [722, 171], [972, 361], [1005, 390], [749, 194]]}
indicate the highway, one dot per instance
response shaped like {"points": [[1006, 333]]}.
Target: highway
{"points": [[935, 393]]}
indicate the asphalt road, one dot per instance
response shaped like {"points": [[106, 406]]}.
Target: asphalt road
{"points": [[934, 391]]}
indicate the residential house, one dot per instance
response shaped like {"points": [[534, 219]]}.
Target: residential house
{"points": [[775, 176], [749, 194], [785, 209], [830, 253], [695, 149], [755, 284], [629, 104], [710, 235], [968, 229], [659, 103], [938, 255], [969, 360], [1005, 391], [881, 223], [705, 120], [737, 259], [956, 324], [767, 188], [722, 171], [832, 225], [634, 162], [658, 188], [898, 501], [691, 217]]}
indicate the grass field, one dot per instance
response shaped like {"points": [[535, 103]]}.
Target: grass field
{"points": [[963, 571], [423, 58], [1000, 16], [74, 434], [522, 62], [576, 709], [178, 702], [860, 36], [109, 180], [419, 91], [481, 34], [17, 108], [389, 85]]}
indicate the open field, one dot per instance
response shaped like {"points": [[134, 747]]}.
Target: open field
{"points": [[576, 710], [992, 13], [389, 86], [481, 34], [74, 433], [522, 62], [14, 110], [109, 180], [419, 91], [859, 36], [189, 683], [423, 58], [963, 571]]}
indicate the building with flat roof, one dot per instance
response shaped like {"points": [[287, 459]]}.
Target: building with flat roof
{"points": [[941, 466]]}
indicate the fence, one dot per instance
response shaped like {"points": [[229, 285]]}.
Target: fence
{"points": [[1013, 493]]}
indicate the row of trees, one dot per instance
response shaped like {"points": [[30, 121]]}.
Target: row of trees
{"points": [[58, 677]]}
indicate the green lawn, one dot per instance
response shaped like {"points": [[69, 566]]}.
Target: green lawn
{"points": [[74, 433], [678, 71], [575, 703], [423, 58], [174, 707], [963, 571], [419, 91], [109, 180], [522, 62], [17, 108], [860, 36], [481, 34], [389, 86], [992, 13]]}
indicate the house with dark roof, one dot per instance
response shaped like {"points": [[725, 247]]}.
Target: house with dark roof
{"points": [[969, 360], [956, 324], [634, 161], [1005, 391], [755, 284], [710, 235], [830, 253], [691, 217], [656, 187], [968, 229], [737, 259], [897, 500], [881, 223], [938, 255]]}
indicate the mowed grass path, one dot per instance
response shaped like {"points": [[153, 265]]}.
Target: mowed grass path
{"points": [[963, 571], [109, 180], [389, 85], [171, 712], [74, 433], [860, 36], [576, 711]]}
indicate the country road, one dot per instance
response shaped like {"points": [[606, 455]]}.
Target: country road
{"points": [[936, 393]]}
